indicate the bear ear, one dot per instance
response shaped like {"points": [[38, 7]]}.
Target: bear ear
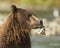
{"points": [[13, 8]]}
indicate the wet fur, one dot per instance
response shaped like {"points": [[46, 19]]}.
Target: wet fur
{"points": [[14, 32]]}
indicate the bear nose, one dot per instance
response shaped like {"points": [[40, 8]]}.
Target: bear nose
{"points": [[39, 24]]}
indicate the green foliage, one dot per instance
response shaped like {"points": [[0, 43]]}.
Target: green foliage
{"points": [[46, 3], [38, 2]]}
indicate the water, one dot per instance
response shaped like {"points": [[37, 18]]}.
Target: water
{"points": [[45, 42], [41, 41], [2, 18]]}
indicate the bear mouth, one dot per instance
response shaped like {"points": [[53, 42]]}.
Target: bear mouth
{"points": [[38, 28], [38, 31]]}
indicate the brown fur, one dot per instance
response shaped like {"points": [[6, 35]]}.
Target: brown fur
{"points": [[14, 32]]}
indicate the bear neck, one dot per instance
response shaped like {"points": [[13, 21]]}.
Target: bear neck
{"points": [[16, 30]]}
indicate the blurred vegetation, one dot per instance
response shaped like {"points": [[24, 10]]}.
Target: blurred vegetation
{"points": [[42, 8], [46, 3]]}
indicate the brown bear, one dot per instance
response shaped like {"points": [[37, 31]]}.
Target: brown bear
{"points": [[15, 31]]}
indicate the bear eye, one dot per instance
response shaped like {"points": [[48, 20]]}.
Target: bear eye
{"points": [[29, 15]]}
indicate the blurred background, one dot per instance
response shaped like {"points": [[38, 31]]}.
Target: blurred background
{"points": [[48, 11]]}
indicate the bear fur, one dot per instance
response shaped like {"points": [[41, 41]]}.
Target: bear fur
{"points": [[15, 31]]}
